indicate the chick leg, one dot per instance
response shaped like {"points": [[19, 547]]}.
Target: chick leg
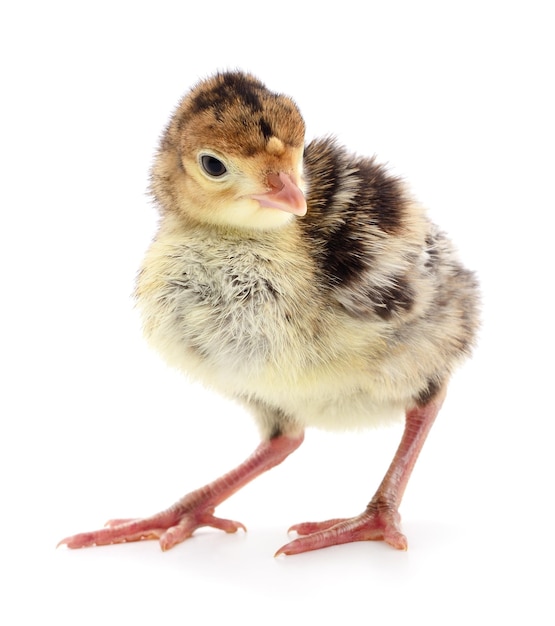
{"points": [[381, 520], [194, 510]]}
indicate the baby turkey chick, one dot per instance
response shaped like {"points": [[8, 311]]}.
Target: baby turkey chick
{"points": [[304, 282]]}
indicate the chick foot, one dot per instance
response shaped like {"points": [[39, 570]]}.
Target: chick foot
{"points": [[375, 524], [196, 509], [169, 527]]}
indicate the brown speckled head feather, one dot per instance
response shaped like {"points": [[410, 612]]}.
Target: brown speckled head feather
{"points": [[237, 114]]}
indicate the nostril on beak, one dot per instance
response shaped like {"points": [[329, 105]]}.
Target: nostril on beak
{"points": [[275, 182]]}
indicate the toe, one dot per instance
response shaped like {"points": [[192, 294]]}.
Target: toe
{"points": [[309, 528]]}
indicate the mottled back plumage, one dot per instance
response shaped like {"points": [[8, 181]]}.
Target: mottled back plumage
{"points": [[383, 258]]}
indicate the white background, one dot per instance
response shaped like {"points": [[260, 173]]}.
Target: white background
{"points": [[458, 98]]}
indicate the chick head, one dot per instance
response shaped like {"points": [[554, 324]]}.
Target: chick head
{"points": [[232, 156]]}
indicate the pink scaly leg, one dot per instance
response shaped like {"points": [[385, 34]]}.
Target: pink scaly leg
{"points": [[194, 510], [381, 520]]}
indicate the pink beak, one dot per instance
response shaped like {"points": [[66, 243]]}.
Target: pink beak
{"points": [[284, 195]]}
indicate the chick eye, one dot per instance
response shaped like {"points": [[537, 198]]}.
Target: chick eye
{"points": [[212, 166]]}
